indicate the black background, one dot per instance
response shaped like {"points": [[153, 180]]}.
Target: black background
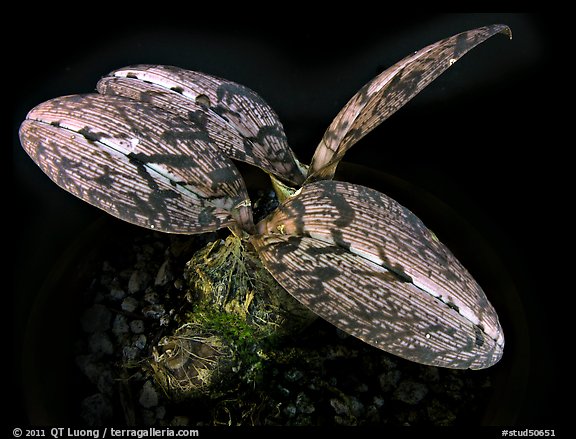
{"points": [[477, 138]]}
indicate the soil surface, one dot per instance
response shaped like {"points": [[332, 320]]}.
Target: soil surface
{"points": [[320, 376]]}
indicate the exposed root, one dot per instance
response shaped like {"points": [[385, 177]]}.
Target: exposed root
{"points": [[228, 276], [237, 311], [188, 362]]}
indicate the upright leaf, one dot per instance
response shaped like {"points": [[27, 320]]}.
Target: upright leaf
{"points": [[389, 91]]}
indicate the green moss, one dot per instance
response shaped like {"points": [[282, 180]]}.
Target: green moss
{"points": [[248, 342], [227, 276]]}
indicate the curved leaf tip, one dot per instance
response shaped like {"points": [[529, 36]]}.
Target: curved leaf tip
{"points": [[388, 92], [504, 29]]}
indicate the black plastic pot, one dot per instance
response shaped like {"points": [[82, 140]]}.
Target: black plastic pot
{"points": [[53, 384]]}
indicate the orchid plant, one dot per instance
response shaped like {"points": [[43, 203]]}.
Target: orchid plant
{"points": [[155, 147]]}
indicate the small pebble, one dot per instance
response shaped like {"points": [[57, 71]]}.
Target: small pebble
{"points": [[372, 415], [89, 366], [356, 407], [137, 326], [138, 281], [389, 380], [98, 373], [378, 401], [164, 275], [293, 375], [339, 406], [140, 341], [160, 412], [120, 325], [106, 382], [151, 297], [96, 410], [153, 311], [179, 421], [304, 404], [345, 420], [148, 417], [290, 410], [100, 343], [117, 293], [106, 279], [129, 304], [283, 391], [148, 395], [130, 354], [96, 318], [410, 392]]}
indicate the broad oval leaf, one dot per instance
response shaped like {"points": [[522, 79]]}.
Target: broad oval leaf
{"points": [[136, 162], [367, 301], [237, 119], [385, 234], [388, 92]]}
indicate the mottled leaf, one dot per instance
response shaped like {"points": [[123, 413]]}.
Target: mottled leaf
{"points": [[370, 302], [237, 119], [136, 162], [380, 231], [389, 91]]}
